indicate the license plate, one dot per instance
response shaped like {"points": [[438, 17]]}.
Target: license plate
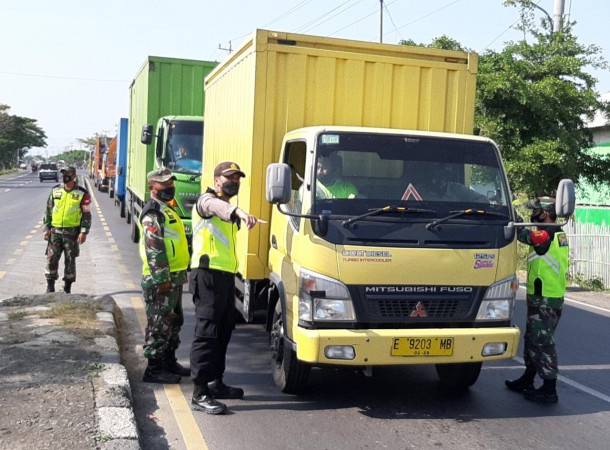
{"points": [[422, 346]]}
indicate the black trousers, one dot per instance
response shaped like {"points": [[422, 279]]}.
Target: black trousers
{"points": [[214, 297]]}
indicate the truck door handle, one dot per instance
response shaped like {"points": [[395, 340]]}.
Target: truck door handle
{"points": [[273, 241]]}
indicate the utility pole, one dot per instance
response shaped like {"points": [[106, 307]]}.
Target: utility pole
{"points": [[558, 15], [380, 20]]}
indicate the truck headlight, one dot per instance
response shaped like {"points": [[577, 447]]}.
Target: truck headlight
{"points": [[499, 300], [322, 298]]}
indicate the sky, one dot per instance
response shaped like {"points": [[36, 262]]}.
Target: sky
{"points": [[68, 63]]}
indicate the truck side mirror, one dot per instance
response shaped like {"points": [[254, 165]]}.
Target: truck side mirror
{"points": [[278, 184], [565, 199], [147, 132]]}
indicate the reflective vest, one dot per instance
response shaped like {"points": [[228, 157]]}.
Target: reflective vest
{"points": [[550, 268], [66, 208], [174, 238], [216, 239]]}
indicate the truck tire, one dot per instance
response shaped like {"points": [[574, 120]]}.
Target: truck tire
{"points": [[458, 376], [135, 232], [122, 208], [289, 374]]}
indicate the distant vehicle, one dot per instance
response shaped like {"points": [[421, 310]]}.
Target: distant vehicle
{"points": [[23, 165], [34, 167], [48, 171]]}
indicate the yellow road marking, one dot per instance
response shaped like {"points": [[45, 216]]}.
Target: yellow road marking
{"points": [[2, 275], [184, 416], [182, 412], [10, 261], [24, 243], [18, 251]]}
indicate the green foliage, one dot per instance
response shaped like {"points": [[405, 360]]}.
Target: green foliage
{"points": [[17, 135], [534, 100]]}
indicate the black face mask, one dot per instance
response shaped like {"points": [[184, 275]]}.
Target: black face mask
{"points": [[67, 178], [537, 217], [166, 194], [230, 188]]}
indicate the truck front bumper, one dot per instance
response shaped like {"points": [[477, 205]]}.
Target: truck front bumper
{"points": [[375, 347]]}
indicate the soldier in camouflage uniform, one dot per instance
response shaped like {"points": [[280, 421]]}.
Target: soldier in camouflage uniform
{"points": [[67, 221], [165, 256], [546, 281]]}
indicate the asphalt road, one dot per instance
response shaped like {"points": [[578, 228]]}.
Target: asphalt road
{"points": [[396, 408]]}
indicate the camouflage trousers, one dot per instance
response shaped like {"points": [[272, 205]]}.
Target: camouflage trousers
{"points": [[543, 314], [164, 320], [66, 243]]}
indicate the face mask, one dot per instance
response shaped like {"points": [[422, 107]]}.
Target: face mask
{"points": [[537, 217], [166, 194], [67, 178], [230, 188]]}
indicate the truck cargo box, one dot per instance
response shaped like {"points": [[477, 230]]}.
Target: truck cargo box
{"points": [[277, 82]]}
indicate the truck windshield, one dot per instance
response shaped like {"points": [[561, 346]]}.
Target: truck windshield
{"points": [[359, 171], [185, 146]]}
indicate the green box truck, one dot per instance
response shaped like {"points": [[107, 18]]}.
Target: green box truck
{"points": [[166, 130]]}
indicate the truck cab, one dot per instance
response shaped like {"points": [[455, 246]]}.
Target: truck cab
{"points": [[178, 146], [414, 263]]}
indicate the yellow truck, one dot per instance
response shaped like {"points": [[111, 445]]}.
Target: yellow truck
{"points": [[407, 256]]}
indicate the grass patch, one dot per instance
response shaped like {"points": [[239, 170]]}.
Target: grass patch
{"points": [[78, 317], [594, 284], [95, 369], [17, 315]]}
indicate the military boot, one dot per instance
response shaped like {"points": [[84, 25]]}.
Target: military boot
{"points": [[202, 400], [50, 286], [172, 365], [157, 373], [547, 393], [68, 286], [524, 383], [220, 390]]}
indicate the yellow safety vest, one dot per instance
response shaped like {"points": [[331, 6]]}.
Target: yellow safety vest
{"points": [[66, 208], [550, 268], [216, 239], [174, 238]]}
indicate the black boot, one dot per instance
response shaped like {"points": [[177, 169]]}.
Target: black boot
{"points": [[547, 393], [68, 286], [220, 390], [173, 366], [524, 383], [157, 373], [50, 286], [202, 400]]}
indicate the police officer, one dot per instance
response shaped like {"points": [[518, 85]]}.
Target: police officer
{"points": [[547, 265], [212, 283], [67, 221], [165, 256]]}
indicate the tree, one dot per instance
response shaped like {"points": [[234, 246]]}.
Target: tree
{"points": [[534, 100], [17, 135]]}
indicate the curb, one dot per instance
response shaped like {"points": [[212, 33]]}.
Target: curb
{"points": [[112, 391]]}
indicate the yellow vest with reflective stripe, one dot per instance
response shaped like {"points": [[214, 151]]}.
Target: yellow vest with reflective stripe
{"points": [[66, 208], [174, 238], [551, 267], [216, 239]]}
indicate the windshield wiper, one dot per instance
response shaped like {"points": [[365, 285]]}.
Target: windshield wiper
{"points": [[432, 225], [385, 209]]}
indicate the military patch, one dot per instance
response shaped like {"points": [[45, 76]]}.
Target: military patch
{"points": [[57, 194], [75, 196], [562, 240]]}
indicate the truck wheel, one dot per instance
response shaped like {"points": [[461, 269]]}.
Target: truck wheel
{"points": [[289, 374], [110, 192], [458, 376], [135, 232], [122, 208]]}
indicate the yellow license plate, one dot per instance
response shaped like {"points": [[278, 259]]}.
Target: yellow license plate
{"points": [[422, 346]]}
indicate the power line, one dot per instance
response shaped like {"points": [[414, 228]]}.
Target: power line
{"points": [[385, 6], [360, 20], [430, 14], [313, 24]]}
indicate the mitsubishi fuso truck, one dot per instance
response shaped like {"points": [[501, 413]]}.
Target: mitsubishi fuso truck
{"points": [[408, 255]]}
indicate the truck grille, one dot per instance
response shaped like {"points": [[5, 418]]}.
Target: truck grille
{"points": [[445, 309]]}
